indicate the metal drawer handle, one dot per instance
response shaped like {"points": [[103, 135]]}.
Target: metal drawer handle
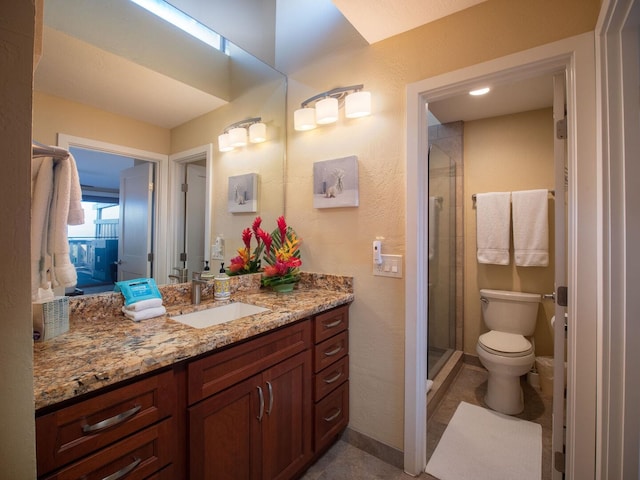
{"points": [[333, 352], [334, 416], [270, 398], [110, 422], [125, 471], [333, 324], [333, 379], [261, 396]]}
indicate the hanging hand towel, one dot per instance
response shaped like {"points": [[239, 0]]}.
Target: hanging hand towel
{"points": [[531, 228], [492, 224]]}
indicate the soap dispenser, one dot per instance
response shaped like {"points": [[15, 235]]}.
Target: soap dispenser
{"points": [[221, 285], [207, 273]]}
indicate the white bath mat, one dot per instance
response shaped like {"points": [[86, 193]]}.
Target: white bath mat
{"points": [[482, 444]]}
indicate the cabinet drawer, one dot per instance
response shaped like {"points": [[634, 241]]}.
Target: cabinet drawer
{"points": [[72, 432], [331, 416], [220, 370], [329, 323], [331, 377], [330, 350], [135, 457]]}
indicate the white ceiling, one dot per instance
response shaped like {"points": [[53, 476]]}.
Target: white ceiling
{"points": [[380, 19]]}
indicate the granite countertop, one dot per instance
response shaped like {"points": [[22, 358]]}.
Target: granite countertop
{"points": [[106, 348]]}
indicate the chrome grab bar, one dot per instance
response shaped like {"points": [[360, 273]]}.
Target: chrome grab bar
{"points": [[124, 471], [332, 379], [270, 398], [333, 417], [110, 422], [259, 417]]}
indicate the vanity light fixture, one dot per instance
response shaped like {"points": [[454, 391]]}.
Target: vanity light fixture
{"points": [[356, 101], [480, 91], [236, 134]]}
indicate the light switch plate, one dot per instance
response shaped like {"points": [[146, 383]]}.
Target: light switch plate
{"points": [[391, 266]]}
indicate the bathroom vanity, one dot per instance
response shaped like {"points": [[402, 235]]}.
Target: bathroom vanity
{"points": [[258, 397]]}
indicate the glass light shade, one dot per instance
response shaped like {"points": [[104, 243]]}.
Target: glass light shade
{"points": [[327, 111], [357, 104], [304, 119], [238, 137], [223, 143], [257, 132]]}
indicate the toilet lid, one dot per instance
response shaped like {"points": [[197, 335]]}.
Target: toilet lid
{"points": [[503, 343]]}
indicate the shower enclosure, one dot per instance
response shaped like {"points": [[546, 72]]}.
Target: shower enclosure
{"points": [[442, 260]]}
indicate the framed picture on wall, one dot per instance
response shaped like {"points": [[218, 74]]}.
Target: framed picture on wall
{"points": [[335, 183], [242, 196]]}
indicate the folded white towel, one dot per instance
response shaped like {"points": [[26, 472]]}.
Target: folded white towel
{"points": [[144, 304], [144, 314], [492, 223], [531, 228]]}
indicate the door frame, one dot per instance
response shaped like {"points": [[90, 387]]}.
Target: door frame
{"points": [[160, 189], [618, 64], [176, 174], [574, 55]]}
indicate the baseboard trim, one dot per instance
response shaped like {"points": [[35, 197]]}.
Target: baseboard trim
{"points": [[373, 447]]}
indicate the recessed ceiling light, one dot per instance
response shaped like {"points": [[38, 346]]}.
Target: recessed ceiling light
{"points": [[480, 91]]}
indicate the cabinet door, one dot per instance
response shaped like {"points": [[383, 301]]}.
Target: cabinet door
{"points": [[287, 426], [225, 438]]}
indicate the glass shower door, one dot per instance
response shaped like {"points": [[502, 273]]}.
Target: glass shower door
{"points": [[442, 260]]}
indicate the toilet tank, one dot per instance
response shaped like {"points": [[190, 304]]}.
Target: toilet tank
{"points": [[511, 312]]}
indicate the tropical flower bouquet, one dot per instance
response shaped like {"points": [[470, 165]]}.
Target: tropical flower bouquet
{"points": [[248, 261], [282, 255], [279, 250]]}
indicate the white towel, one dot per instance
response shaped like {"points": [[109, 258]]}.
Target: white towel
{"points": [[144, 305], [492, 224], [41, 191], [66, 210], [531, 228], [432, 226], [144, 314]]}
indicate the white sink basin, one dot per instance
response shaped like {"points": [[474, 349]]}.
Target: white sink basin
{"points": [[218, 315]]}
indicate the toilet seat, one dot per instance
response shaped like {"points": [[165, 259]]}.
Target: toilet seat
{"points": [[505, 344]]}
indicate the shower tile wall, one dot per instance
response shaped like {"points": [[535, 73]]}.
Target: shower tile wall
{"points": [[449, 138]]}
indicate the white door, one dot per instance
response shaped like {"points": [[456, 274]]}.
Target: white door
{"points": [[560, 154], [136, 222], [194, 216]]}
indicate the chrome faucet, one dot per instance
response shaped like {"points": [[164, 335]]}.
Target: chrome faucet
{"points": [[196, 287]]}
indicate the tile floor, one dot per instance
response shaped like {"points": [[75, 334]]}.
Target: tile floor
{"points": [[344, 461]]}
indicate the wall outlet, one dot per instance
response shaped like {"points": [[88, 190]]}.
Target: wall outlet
{"points": [[391, 266]]}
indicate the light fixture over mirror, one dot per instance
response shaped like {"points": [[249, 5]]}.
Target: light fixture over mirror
{"points": [[236, 134], [356, 101]]}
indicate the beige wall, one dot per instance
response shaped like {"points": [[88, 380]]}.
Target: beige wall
{"points": [[17, 440], [53, 115], [504, 154], [339, 240]]}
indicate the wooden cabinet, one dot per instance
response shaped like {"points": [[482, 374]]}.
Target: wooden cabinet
{"points": [[128, 430], [265, 408], [331, 376], [259, 427]]}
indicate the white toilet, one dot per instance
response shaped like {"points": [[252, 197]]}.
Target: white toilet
{"points": [[505, 351]]}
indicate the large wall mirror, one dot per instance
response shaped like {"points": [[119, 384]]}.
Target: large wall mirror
{"points": [[122, 88]]}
